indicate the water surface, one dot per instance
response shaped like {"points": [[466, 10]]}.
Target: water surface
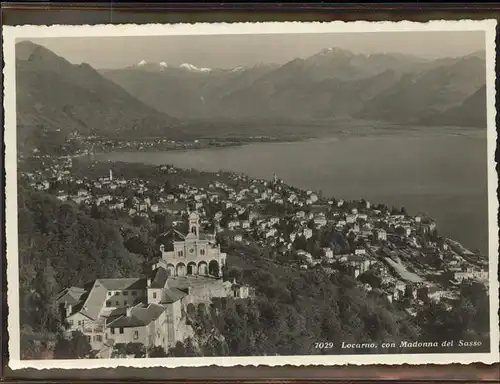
{"points": [[436, 171]]}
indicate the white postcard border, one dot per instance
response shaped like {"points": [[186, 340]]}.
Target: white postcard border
{"points": [[11, 33]]}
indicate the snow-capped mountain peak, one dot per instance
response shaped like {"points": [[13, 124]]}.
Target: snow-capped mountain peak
{"points": [[192, 68], [238, 69], [336, 51]]}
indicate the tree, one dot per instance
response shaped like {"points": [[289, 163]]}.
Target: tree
{"points": [[167, 187], [77, 347], [473, 308], [63, 246], [29, 349], [434, 237], [157, 351], [129, 203], [161, 221], [140, 221], [136, 245], [122, 350], [234, 273], [138, 350], [300, 242], [186, 349], [400, 231], [46, 280], [95, 212], [369, 277]]}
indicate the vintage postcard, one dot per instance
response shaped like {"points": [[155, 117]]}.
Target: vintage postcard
{"points": [[251, 194]]}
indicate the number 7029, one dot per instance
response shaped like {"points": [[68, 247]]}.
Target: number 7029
{"points": [[323, 344]]}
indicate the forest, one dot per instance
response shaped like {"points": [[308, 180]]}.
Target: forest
{"points": [[295, 309], [61, 246]]}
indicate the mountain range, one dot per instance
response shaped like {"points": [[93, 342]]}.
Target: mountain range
{"points": [[54, 95], [332, 83], [463, 115], [149, 99]]}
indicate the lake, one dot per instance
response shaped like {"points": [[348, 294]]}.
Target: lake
{"points": [[441, 172]]}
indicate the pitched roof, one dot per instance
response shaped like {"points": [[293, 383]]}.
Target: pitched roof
{"points": [[159, 278], [175, 206], [126, 322], [319, 209], [231, 233], [357, 258], [116, 313], [93, 301], [139, 316], [206, 235], [148, 314], [91, 304], [173, 235], [71, 295], [126, 283], [172, 295]]}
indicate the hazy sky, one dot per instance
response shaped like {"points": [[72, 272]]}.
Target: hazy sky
{"points": [[229, 51]]}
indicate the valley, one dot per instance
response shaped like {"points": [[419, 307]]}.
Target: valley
{"points": [[334, 203], [329, 92]]}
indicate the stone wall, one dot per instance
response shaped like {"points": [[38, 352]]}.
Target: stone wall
{"points": [[205, 293]]}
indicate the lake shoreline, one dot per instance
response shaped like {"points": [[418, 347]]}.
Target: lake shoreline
{"points": [[231, 142], [422, 172]]}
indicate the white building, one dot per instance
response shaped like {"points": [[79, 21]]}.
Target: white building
{"points": [[382, 235], [193, 253], [328, 253], [471, 274], [350, 219], [320, 220], [307, 233]]}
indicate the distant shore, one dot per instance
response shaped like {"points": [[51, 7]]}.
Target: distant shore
{"points": [[153, 144]]}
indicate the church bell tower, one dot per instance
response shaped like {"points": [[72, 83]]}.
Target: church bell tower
{"points": [[194, 224]]}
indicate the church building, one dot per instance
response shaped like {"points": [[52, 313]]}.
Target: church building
{"points": [[193, 253]]}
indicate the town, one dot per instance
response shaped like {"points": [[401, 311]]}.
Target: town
{"points": [[384, 249], [77, 145]]}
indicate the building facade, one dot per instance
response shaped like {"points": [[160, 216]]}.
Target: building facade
{"points": [[193, 253], [150, 311]]}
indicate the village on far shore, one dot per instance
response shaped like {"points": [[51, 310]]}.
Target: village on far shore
{"points": [[385, 249]]}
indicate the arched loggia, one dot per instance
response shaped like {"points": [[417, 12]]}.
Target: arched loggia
{"points": [[192, 268], [214, 268], [181, 269], [202, 268]]}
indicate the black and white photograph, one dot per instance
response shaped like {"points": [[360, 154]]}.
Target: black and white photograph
{"points": [[274, 193]]}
